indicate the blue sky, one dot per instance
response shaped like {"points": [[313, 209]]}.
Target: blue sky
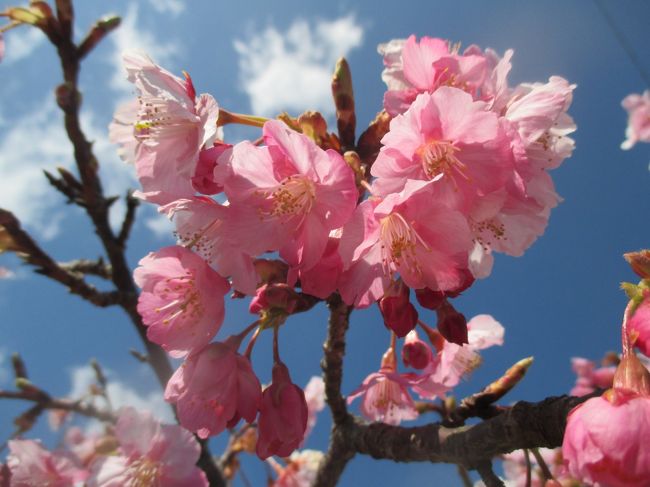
{"points": [[561, 299]]}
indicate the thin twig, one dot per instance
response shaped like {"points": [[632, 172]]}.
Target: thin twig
{"points": [[47, 402], [464, 476], [490, 479], [546, 472], [132, 204]]}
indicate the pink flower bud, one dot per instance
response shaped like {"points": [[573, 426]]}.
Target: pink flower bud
{"points": [[606, 441], [214, 388], [415, 352], [283, 416], [452, 324], [429, 299], [398, 312]]}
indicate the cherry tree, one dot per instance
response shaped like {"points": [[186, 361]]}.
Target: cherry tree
{"points": [[404, 215]]}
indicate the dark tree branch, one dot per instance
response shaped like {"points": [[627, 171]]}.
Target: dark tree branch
{"points": [[525, 425], [46, 402], [132, 204], [88, 267], [339, 452], [30, 252], [490, 479]]}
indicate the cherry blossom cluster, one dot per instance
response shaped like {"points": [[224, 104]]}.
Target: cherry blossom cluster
{"points": [[137, 451], [289, 219]]}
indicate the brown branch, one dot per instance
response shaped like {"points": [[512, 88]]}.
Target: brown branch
{"points": [[490, 479], [88, 267], [525, 425], [46, 402], [339, 452], [132, 204], [30, 252]]}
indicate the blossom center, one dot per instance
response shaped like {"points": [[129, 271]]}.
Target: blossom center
{"points": [[157, 119], [438, 157], [183, 300], [295, 195], [144, 473], [399, 242]]}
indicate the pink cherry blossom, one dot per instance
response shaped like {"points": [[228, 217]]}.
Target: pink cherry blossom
{"points": [[2, 47], [639, 326], [214, 388], [300, 471], [182, 299], [322, 279], [149, 453], [449, 139], [413, 67], [283, 416], [589, 378], [315, 398], [453, 361], [605, 441], [385, 395], [31, 465], [638, 122], [202, 225], [164, 130], [289, 195], [406, 233]]}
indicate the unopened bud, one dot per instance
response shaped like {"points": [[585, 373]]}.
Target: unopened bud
{"points": [[451, 324], [398, 312], [343, 94], [640, 262], [429, 299], [415, 352]]}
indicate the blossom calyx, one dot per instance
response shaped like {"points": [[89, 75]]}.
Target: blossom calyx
{"points": [[631, 376], [274, 302]]}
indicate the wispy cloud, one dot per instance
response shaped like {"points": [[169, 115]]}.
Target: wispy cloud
{"points": [[37, 141], [120, 393], [173, 7], [21, 42], [292, 71], [132, 35]]}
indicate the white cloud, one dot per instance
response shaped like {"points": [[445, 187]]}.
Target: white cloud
{"points": [[37, 141], [33, 142], [173, 7], [293, 71], [160, 226], [131, 35], [21, 42], [5, 369], [120, 393]]}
